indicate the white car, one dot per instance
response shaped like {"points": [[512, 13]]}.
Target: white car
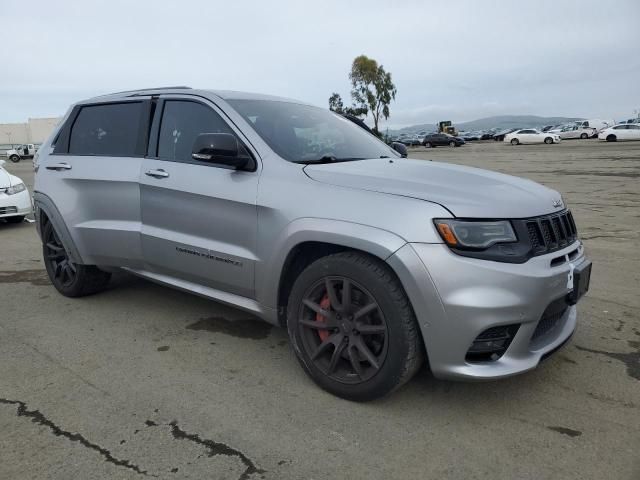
{"points": [[530, 135], [15, 201], [625, 131], [576, 131]]}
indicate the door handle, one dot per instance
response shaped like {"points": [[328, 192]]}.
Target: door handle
{"points": [[157, 173], [59, 166]]}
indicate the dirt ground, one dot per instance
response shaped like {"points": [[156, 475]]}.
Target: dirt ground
{"points": [[142, 380]]}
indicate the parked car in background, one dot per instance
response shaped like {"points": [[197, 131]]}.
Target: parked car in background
{"points": [[576, 131], [410, 141], [15, 201], [499, 136], [441, 140], [624, 131], [487, 135], [531, 136], [21, 152], [470, 136], [596, 123], [547, 128]]}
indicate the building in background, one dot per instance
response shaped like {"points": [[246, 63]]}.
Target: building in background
{"points": [[35, 130]]}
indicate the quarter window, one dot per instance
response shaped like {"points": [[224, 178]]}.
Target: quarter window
{"points": [[182, 122], [109, 129]]}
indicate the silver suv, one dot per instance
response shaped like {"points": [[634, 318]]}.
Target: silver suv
{"points": [[372, 261]]}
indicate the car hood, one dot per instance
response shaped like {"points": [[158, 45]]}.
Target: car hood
{"points": [[464, 191]]}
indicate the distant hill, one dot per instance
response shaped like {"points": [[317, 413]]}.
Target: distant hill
{"points": [[513, 121], [501, 122]]}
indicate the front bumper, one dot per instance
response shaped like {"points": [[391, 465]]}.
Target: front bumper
{"points": [[457, 298], [15, 205]]}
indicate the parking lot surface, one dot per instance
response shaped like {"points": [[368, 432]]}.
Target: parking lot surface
{"points": [[145, 381]]}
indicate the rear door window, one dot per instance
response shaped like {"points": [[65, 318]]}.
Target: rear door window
{"points": [[182, 122], [108, 129]]}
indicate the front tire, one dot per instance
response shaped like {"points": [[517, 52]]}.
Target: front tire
{"points": [[14, 158], [584, 136], [515, 141], [352, 327], [429, 145], [70, 279], [452, 144], [548, 140]]}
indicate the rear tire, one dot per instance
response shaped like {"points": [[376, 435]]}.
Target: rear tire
{"points": [[70, 279], [354, 355], [548, 140], [611, 138], [515, 141], [14, 158]]}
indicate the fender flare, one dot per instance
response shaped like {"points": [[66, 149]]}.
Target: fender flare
{"points": [[375, 241], [44, 204]]}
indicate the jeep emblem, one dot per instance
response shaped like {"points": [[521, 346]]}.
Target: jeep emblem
{"points": [[557, 203]]}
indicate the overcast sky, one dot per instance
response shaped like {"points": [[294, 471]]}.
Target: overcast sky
{"points": [[457, 60]]}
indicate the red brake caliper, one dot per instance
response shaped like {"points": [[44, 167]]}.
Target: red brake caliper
{"points": [[325, 303]]}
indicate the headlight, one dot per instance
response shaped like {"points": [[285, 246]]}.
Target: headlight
{"points": [[17, 188], [475, 234]]}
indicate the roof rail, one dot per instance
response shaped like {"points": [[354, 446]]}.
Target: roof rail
{"points": [[140, 90]]}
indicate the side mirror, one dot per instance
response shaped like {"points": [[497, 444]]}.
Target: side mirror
{"points": [[400, 148], [220, 148]]}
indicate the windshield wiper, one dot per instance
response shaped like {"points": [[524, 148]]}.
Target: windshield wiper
{"points": [[329, 159]]}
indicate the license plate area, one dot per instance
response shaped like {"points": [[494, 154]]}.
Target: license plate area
{"points": [[581, 280]]}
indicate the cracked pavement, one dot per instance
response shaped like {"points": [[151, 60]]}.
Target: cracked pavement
{"points": [[144, 381]]}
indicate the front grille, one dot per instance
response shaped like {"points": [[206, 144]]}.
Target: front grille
{"points": [[550, 318], [6, 210], [551, 232]]}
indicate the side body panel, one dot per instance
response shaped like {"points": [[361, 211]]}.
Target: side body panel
{"points": [[199, 224]]}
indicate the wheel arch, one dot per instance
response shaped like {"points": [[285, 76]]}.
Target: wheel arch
{"points": [[307, 240], [45, 210]]}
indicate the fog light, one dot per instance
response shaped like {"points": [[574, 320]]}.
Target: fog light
{"points": [[491, 344]]}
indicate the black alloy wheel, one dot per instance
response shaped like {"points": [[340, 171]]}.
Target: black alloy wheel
{"points": [[343, 330], [352, 326], [69, 278], [62, 270]]}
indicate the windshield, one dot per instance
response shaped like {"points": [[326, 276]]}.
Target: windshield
{"points": [[302, 133]]}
